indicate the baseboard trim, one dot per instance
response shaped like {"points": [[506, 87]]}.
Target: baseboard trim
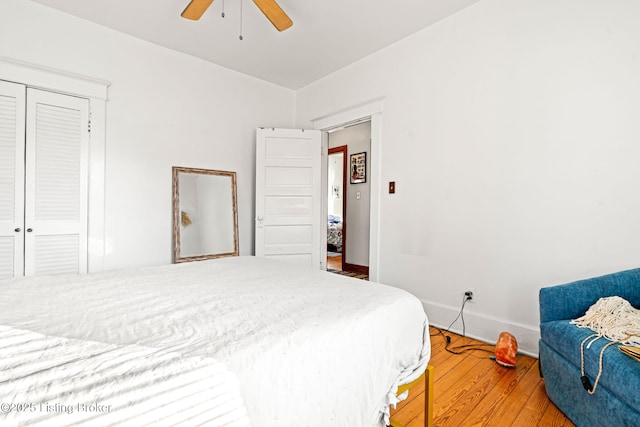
{"points": [[355, 268], [483, 327]]}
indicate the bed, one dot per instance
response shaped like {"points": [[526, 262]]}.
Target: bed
{"points": [[233, 341], [334, 233]]}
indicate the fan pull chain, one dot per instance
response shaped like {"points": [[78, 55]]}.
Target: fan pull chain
{"points": [[223, 8], [241, 38]]}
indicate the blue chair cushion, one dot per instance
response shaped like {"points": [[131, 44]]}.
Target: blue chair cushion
{"points": [[620, 373]]}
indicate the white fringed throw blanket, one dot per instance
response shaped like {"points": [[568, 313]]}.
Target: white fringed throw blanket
{"points": [[613, 318]]}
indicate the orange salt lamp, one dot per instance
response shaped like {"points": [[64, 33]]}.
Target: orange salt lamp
{"points": [[506, 349]]}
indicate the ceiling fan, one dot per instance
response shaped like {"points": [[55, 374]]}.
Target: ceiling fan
{"points": [[270, 8]]}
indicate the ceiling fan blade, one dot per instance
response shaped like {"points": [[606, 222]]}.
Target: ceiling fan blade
{"points": [[196, 9], [274, 13]]}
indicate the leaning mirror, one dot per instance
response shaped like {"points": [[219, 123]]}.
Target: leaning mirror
{"points": [[205, 214]]}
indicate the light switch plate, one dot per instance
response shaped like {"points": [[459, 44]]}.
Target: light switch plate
{"points": [[392, 187]]}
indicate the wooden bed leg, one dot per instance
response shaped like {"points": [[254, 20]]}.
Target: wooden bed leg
{"points": [[428, 397]]}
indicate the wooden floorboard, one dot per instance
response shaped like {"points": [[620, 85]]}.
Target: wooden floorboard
{"points": [[470, 389], [334, 262]]}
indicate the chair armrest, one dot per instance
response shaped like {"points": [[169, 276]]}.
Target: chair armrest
{"points": [[572, 300]]}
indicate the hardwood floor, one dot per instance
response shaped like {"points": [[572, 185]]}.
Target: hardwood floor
{"points": [[334, 262], [472, 390]]}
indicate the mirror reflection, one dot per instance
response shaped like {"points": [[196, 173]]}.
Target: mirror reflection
{"points": [[205, 214]]}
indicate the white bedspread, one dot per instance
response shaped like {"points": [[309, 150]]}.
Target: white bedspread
{"points": [[53, 381], [309, 348]]}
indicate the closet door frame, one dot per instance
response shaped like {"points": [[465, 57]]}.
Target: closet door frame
{"points": [[12, 228], [96, 91]]}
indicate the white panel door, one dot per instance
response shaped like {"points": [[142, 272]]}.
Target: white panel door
{"points": [[288, 195], [57, 147], [12, 123]]}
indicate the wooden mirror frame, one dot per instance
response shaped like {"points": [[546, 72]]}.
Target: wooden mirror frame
{"points": [[178, 220]]}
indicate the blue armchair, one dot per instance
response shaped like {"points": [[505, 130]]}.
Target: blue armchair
{"points": [[616, 400]]}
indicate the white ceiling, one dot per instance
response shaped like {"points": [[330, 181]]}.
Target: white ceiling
{"points": [[326, 35]]}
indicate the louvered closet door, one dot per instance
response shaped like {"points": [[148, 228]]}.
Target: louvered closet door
{"points": [[12, 122], [57, 141]]}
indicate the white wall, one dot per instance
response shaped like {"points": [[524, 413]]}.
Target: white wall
{"points": [[166, 109], [512, 131], [357, 138]]}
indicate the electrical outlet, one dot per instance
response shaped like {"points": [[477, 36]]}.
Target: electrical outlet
{"points": [[470, 294]]}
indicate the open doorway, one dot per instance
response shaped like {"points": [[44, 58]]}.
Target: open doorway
{"points": [[371, 112], [349, 195]]}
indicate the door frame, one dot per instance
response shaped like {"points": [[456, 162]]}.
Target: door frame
{"points": [[345, 171], [370, 111]]}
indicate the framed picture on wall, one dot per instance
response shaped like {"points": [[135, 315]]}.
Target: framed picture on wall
{"points": [[358, 168]]}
